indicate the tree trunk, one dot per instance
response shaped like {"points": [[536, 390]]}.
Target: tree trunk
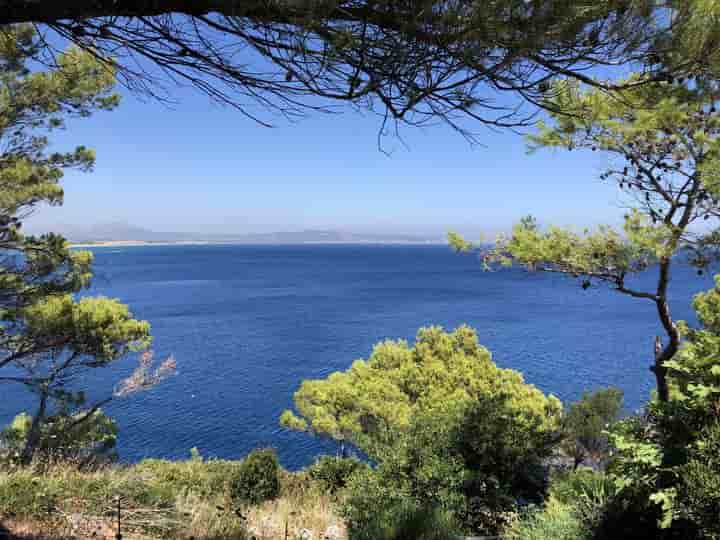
{"points": [[33, 436], [664, 353], [660, 372]]}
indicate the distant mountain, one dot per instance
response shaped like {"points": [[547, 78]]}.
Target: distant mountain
{"points": [[110, 232]]}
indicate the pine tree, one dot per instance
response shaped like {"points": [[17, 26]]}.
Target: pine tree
{"points": [[47, 335], [664, 156]]}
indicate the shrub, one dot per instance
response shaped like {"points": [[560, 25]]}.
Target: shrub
{"points": [[585, 424], [333, 473], [25, 494], [407, 522], [555, 521], [443, 372], [61, 439], [700, 487], [256, 480], [586, 492], [446, 427], [664, 460]]}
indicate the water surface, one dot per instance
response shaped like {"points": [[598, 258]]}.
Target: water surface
{"points": [[248, 323]]}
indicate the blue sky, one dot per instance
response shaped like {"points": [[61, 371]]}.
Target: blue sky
{"points": [[199, 167]]}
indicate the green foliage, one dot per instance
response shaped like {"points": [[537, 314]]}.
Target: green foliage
{"points": [[160, 499], [694, 40], [662, 142], [422, 470], [555, 521], [98, 327], [695, 371], [333, 473], [201, 478], [574, 508], [666, 478], [587, 493], [586, 421], [33, 103], [256, 479], [602, 253], [582, 486], [441, 374], [446, 427], [48, 336], [407, 522], [700, 483], [70, 437]]}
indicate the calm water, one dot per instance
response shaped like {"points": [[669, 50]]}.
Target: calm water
{"points": [[248, 323]]}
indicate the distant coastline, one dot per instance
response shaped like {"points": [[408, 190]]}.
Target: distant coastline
{"points": [[119, 235], [139, 243], [129, 243]]}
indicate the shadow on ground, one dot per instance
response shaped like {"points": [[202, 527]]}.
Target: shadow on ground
{"points": [[17, 532]]}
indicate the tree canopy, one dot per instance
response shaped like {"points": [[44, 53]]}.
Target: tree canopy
{"points": [[47, 335], [664, 155], [446, 427], [411, 61], [376, 398]]}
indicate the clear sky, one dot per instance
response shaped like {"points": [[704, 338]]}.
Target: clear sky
{"points": [[198, 167]]}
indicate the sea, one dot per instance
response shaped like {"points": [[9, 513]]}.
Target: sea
{"points": [[248, 323]]}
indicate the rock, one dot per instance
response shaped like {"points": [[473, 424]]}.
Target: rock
{"points": [[333, 532]]}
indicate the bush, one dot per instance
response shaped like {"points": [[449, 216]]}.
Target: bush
{"points": [[555, 521], [446, 427], [585, 424], [256, 480], [407, 522], [193, 476], [586, 492], [631, 514], [333, 473], [700, 484], [91, 441]]}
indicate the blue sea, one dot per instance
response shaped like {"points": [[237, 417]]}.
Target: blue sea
{"points": [[247, 324]]}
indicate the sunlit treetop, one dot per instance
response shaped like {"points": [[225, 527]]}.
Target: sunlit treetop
{"points": [[439, 374], [35, 102]]}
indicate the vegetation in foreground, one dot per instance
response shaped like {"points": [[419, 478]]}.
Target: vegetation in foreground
{"points": [[196, 498]]}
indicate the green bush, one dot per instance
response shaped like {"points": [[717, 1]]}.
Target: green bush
{"points": [[407, 522], [700, 487], [333, 473], [631, 514], [256, 480], [24, 494], [586, 492], [193, 476], [555, 521], [91, 441], [585, 422], [446, 427]]}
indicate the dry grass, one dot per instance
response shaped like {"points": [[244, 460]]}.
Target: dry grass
{"points": [[317, 516], [27, 530], [159, 500]]}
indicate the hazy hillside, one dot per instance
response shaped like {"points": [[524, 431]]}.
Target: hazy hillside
{"points": [[108, 232]]}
